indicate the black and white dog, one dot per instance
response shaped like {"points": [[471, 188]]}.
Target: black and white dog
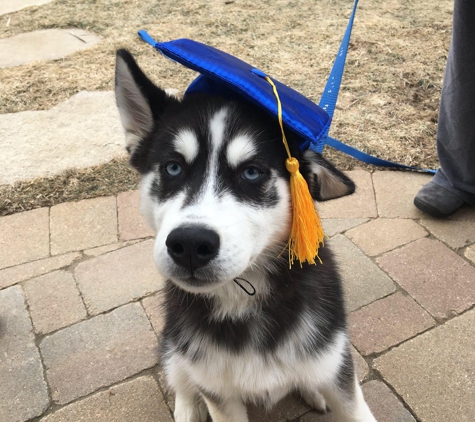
{"points": [[216, 191]]}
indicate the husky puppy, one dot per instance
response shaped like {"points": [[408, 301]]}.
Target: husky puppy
{"points": [[216, 191]]}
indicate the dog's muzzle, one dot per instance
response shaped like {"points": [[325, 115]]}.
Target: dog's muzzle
{"points": [[192, 247]]}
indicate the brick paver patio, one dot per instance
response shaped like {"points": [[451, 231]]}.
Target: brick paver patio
{"points": [[80, 312]]}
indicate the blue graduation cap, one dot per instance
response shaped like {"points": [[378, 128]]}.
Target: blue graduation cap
{"points": [[226, 75]]}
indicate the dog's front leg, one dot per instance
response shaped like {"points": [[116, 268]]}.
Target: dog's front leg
{"points": [[189, 406], [230, 410]]}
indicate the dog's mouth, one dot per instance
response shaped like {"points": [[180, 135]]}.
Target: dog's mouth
{"points": [[194, 284]]}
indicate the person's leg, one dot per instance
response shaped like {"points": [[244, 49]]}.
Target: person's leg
{"points": [[454, 182]]}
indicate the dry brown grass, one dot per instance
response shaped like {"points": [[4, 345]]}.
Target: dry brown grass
{"points": [[389, 100], [73, 185]]}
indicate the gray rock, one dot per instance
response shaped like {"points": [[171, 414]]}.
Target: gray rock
{"points": [[81, 132], [9, 6], [23, 391], [48, 44]]}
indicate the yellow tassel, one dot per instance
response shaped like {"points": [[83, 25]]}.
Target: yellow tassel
{"points": [[307, 231]]}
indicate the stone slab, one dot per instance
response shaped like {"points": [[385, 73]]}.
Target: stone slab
{"points": [[382, 235], [46, 44], [362, 368], [84, 224], [287, 409], [384, 404], [81, 132], [10, 6], [54, 301], [363, 280], [434, 373], [435, 276], [131, 223], [139, 400], [101, 250], [13, 275], [118, 277], [395, 192], [153, 306], [470, 253], [387, 322], [24, 237], [23, 391], [359, 205], [98, 352], [456, 234], [333, 226]]}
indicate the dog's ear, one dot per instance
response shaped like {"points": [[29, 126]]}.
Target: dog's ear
{"points": [[324, 180], [140, 102]]}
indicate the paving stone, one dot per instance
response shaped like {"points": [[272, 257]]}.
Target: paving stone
{"points": [[395, 192], [435, 276], [288, 408], [101, 250], [83, 224], [317, 417], [363, 280], [384, 404], [139, 400], [153, 306], [333, 226], [470, 253], [13, 275], [24, 237], [32, 140], [118, 277], [168, 394], [387, 322], [456, 234], [98, 352], [9, 6], [359, 205], [131, 223], [382, 235], [362, 368], [434, 373], [54, 301], [23, 391], [47, 44], [465, 213]]}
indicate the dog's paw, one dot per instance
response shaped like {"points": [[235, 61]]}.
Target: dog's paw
{"points": [[315, 400], [191, 413]]}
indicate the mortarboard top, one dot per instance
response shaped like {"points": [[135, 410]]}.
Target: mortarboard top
{"points": [[224, 74]]}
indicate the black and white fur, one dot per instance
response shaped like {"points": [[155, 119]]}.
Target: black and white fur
{"points": [[216, 191]]}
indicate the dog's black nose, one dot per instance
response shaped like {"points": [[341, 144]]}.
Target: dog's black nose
{"points": [[192, 247]]}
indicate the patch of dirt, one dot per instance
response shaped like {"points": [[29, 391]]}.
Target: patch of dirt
{"points": [[391, 87]]}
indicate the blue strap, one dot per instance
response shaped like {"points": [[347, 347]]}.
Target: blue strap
{"points": [[332, 88], [328, 103], [146, 37], [370, 159]]}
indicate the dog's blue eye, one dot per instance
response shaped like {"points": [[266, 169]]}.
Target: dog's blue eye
{"points": [[173, 169], [252, 173]]}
